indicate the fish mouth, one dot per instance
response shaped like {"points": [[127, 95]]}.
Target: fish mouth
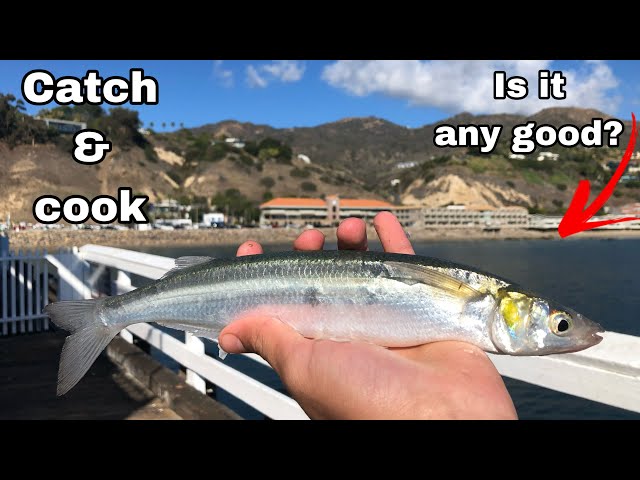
{"points": [[596, 338]]}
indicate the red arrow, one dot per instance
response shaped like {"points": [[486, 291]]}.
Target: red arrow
{"points": [[577, 217]]}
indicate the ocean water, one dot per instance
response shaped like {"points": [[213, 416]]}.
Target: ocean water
{"points": [[598, 278]]}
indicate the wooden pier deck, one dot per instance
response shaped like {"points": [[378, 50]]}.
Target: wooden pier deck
{"points": [[28, 374]]}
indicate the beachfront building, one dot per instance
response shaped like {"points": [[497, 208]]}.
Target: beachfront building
{"points": [[457, 216], [461, 216], [410, 216], [291, 211], [170, 209], [330, 211], [629, 209]]}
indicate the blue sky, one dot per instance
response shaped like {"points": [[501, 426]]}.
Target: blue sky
{"points": [[292, 93]]}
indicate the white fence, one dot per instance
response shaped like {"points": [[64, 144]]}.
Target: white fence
{"points": [[608, 373], [24, 290]]}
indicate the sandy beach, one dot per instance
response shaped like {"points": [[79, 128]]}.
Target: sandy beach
{"points": [[56, 239]]}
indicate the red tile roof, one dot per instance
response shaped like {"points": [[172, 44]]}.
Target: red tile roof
{"points": [[363, 203], [294, 202], [319, 203]]}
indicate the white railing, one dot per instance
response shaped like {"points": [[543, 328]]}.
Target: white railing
{"points": [[608, 373], [24, 292]]}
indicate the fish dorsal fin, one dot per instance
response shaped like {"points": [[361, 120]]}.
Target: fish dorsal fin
{"points": [[184, 262], [413, 274]]}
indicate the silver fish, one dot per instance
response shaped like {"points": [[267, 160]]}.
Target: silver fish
{"points": [[392, 300]]}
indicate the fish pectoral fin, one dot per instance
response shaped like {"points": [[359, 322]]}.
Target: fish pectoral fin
{"points": [[185, 262], [413, 274], [197, 331], [408, 281]]}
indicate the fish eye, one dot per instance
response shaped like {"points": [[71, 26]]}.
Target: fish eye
{"points": [[560, 323]]}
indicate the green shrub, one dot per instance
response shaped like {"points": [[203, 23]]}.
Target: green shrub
{"points": [[216, 152], [18, 128], [428, 177], [272, 148], [234, 202], [252, 148], [246, 160], [175, 176], [308, 187], [300, 172], [150, 153], [535, 210], [267, 182]]}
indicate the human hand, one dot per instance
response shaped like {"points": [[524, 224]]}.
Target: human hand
{"points": [[354, 380]]}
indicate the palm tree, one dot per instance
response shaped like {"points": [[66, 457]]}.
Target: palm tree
{"points": [[151, 124], [173, 124], [181, 124], [164, 125], [20, 105]]}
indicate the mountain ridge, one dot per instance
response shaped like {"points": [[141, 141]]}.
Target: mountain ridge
{"points": [[578, 114]]}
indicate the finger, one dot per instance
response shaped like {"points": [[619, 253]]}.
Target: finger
{"points": [[268, 337], [391, 234], [250, 247], [309, 240], [352, 235]]}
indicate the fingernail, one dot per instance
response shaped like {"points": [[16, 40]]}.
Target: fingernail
{"points": [[232, 344]]}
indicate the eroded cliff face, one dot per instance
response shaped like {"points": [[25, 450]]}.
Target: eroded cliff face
{"points": [[452, 189]]}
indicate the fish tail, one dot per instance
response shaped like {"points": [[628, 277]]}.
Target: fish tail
{"points": [[88, 337]]}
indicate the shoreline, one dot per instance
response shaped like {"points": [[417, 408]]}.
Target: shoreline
{"points": [[57, 239]]}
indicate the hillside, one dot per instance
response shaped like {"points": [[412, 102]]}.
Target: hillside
{"points": [[31, 171], [351, 157], [371, 149], [371, 144], [365, 145]]}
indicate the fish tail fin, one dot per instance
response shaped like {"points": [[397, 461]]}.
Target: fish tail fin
{"points": [[88, 338]]}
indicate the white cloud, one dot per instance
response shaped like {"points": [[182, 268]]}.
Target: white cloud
{"points": [[467, 85], [285, 70], [278, 70], [254, 79], [224, 76]]}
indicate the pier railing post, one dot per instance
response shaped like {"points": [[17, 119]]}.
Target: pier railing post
{"points": [[4, 246], [196, 345], [79, 269], [45, 287], [122, 283]]}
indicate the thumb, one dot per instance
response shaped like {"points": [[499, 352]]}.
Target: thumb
{"points": [[267, 336]]}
